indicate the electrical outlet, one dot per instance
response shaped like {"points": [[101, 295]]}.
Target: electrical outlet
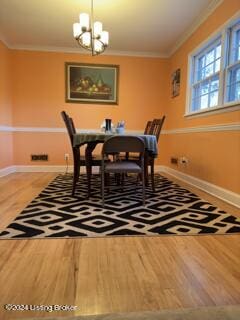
{"points": [[66, 156], [183, 160]]}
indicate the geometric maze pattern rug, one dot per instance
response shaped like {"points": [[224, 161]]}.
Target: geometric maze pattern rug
{"points": [[54, 213]]}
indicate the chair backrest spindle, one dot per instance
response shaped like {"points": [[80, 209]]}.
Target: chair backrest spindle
{"points": [[148, 127], [156, 127]]}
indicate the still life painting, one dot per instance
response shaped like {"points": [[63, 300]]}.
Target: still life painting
{"points": [[91, 83]]}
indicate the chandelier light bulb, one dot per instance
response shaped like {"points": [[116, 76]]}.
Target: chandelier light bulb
{"points": [[97, 29], [76, 30], [84, 21], [98, 47], [105, 38]]}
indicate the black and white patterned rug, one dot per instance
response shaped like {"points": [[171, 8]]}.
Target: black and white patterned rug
{"points": [[170, 210]]}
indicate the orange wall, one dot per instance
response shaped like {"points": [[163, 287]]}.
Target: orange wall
{"points": [[5, 107], [39, 90], [213, 156], [39, 97]]}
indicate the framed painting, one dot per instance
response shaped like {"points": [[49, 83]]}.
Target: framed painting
{"points": [[91, 83], [176, 83]]}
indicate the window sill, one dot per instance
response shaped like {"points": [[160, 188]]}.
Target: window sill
{"points": [[216, 110]]}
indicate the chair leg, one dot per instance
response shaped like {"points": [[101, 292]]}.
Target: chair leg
{"points": [[118, 178], [103, 185], [89, 175], [107, 182], [143, 188], [146, 168], [122, 180], [74, 185], [152, 176], [88, 155], [137, 181], [76, 169]]}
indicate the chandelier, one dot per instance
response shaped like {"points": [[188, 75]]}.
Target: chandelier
{"points": [[89, 34]]}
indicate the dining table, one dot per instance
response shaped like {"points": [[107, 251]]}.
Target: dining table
{"points": [[91, 139]]}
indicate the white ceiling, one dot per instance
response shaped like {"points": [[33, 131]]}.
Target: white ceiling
{"points": [[137, 27]]}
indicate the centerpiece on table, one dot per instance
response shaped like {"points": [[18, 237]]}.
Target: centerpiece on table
{"points": [[120, 128]]}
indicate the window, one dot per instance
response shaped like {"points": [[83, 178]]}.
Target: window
{"points": [[233, 67], [215, 72], [206, 77]]}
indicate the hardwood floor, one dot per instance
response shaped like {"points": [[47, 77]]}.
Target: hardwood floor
{"points": [[105, 275]]}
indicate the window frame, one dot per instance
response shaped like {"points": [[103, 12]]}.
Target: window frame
{"points": [[223, 35], [230, 63]]}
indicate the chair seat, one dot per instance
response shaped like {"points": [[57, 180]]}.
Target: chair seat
{"points": [[122, 167]]}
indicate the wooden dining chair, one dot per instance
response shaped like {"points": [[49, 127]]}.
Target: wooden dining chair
{"points": [[148, 127], [78, 160], [152, 128], [155, 129], [118, 144], [133, 157]]}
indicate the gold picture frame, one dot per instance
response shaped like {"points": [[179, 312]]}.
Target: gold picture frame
{"points": [[91, 83]]}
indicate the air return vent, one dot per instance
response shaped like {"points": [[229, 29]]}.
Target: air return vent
{"points": [[39, 157]]}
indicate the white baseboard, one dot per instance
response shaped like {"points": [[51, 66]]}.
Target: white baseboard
{"points": [[6, 171], [56, 169], [221, 193], [42, 168]]}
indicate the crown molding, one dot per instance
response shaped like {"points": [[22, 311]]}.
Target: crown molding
{"points": [[191, 29], [83, 52], [143, 54], [24, 47], [4, 41]]}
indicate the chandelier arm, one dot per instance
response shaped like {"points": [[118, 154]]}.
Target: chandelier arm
{"points": [[103, 47], [83, 46], [91, 48]]}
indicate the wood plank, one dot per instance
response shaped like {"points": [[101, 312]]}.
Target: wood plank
{"points": [[117, 274]]}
